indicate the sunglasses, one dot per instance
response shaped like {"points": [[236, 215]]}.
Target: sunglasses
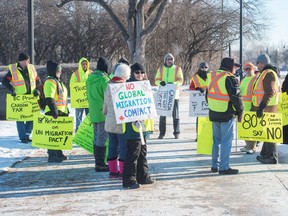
{"points": [[204, 67], [138, 72], [169, 59]]}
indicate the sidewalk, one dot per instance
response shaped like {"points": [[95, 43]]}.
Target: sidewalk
{"points": [[184, 184]]}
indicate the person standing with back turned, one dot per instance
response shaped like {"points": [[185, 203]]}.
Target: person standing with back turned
{"points": [[225, 103], [170, 73]]}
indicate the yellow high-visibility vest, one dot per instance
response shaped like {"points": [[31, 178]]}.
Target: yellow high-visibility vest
{"points": [[199, 82], [246, 88], [18, 81]]}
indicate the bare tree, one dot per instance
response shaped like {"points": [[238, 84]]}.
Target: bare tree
{"points": [[139, 24]]}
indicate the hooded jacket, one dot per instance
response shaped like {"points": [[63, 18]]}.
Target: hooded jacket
{"points": [[80, 75], [96, 85]]}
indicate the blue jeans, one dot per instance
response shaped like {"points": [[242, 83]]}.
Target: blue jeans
{"points": [[24, 129], [100, 135], [79, 114], [222, 142], [117, 144]]}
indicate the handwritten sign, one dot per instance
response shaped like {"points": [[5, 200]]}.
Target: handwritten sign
{"points": [[267, 128], [85, 135], [132, 101], [165, 100], [78, 95], [50, 133], [197, 104], [283, 108], [21, 107]]}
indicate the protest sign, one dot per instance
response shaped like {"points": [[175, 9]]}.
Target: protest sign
{"points": [[85, 135], [197, 104], [267, 128], [132, 101], [165, 100], [50, 133], [78, 95], [21, 107], [205, 136]]}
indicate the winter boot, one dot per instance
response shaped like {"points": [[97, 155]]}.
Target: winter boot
{"points": [[53, 156], [113, 169], [61, 155], [121, 166], [100, 154]]}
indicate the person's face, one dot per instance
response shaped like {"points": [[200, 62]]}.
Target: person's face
{"points": [[249, 71], [169, 61], [139, 75], [234, 69], [24, 63], [260, 66], [84, 65], [58, 73]]}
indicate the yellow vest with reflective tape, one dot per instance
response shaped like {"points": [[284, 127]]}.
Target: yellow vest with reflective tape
{"points": [[218, 97], [198, 81], [246, 88], [148, 126], [18, 81], [60, 97], [258, 90]]}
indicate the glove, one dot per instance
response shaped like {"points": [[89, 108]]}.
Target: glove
{"points": [[259, 112], [13, 93], [200, 89], [240, 117], [36, 93], [162, 83], [138, 123]]}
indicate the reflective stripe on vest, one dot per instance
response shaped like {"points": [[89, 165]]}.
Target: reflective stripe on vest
{"points": [[77, 75], [217, 94], [258, 90], [199, 82], [247, 94], [59, 101]]}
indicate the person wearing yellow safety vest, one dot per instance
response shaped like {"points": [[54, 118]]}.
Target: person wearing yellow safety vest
{"points": [[246, 87], [265, 98], [136, 166], [199, 83], [225, 103], [166, 74], [56, 99], [22, 79], [80, 76]]}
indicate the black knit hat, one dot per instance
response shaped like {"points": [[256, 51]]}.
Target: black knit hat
{"points": [[124, 61], [104, 64], [52, 67], [137, 67], [23, 56], [227, 64]]}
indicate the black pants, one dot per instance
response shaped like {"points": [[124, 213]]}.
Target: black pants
{"points": [[176, 120], [269, 150], [285, 134], [135, 166]]}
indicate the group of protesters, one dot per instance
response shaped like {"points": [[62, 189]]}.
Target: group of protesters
{"points": [[127, 150]]}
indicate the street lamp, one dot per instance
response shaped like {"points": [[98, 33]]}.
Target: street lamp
{"points": [[31, 30]]}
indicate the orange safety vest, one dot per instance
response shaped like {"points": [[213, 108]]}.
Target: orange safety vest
{"points": [[258, 90], [199, 82]]}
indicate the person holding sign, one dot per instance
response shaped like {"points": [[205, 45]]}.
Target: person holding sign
{"points": [[285, 127], [225, 103], [136, 166], [97, 83], [80, 76], [198, 82], [265, 98], [56, 99], [22, 79], [117, 143], [246, 87], [170, 73]]}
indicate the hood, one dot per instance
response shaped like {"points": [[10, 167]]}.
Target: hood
{"points": [[80, 68]]}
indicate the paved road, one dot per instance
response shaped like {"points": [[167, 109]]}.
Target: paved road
{"points": [[184, 184]]}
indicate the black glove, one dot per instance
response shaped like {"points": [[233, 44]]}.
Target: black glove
{"points": [[36, 93], [259, 112], [200, 89], [239, 118], [13, 93], [162, 83]]}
